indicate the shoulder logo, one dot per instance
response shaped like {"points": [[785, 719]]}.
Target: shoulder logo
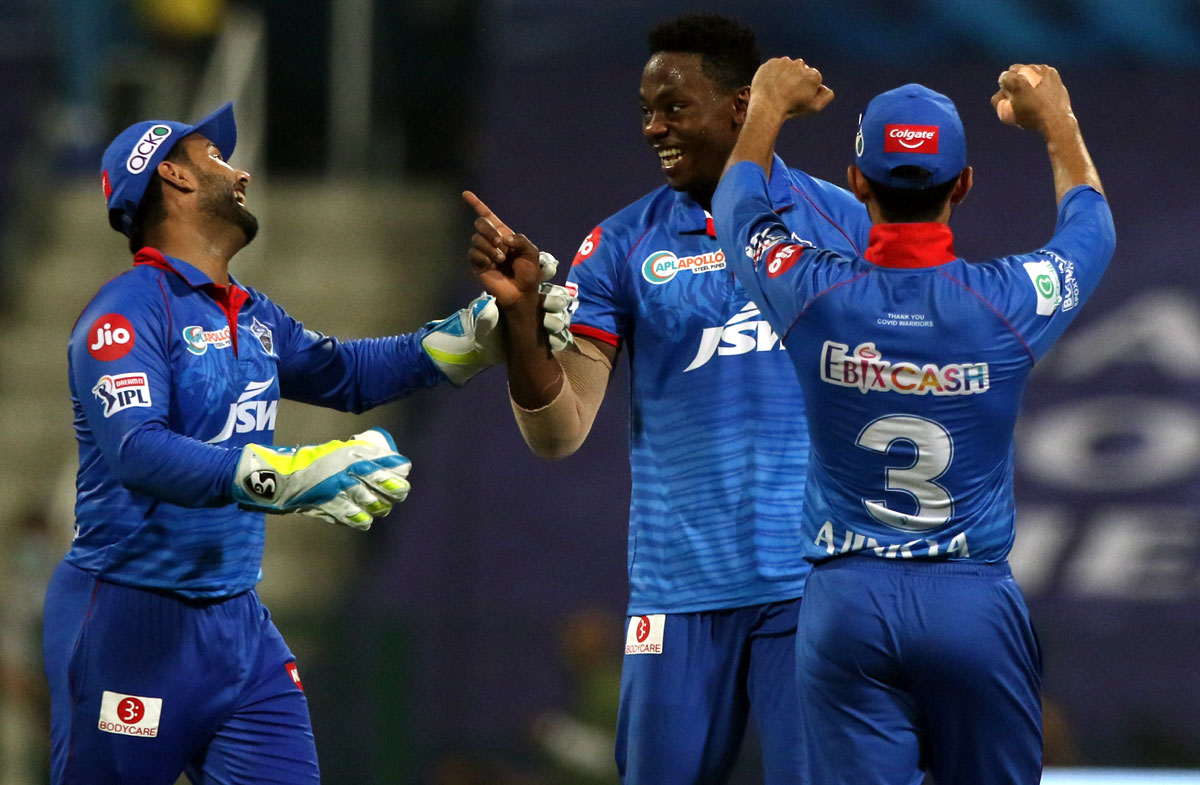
{"points": [[588, 246], [1045, 285], [140, 156], [110, 337], [120, 391]]}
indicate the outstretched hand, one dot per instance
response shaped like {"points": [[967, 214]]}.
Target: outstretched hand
{"points": [[505, 263]]}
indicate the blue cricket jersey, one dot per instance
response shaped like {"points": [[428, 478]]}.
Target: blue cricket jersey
{"points": [[171, 375], [718, 441], [912, 363]]}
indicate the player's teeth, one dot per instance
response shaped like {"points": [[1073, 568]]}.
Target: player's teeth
{"points": [[670, 156]]}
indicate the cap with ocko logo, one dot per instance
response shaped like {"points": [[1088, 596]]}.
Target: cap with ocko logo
{"points": [[130, 161]]}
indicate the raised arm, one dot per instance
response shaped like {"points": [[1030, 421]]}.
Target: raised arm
{"points": [[783, 88], [1038, 101], [555, 397]]}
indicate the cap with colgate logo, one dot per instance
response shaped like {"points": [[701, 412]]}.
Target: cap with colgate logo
{"points": [[911, 126]]}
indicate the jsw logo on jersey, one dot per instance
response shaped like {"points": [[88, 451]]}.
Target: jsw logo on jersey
{"points": [[249, 415], [739, 335]]}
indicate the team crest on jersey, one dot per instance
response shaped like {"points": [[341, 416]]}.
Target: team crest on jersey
{"points": [[645, 635], [198, 339], [263, 333], [119, 391], [868, 371], [129, 715], [662, 266]]}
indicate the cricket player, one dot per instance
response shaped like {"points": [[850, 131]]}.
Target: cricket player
{"points": [[160, 657], [718, 438], [915, 649]]}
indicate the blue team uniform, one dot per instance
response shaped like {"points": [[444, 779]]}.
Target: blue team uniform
{"points": [[915, 648], [159, 655], [717, 455]]}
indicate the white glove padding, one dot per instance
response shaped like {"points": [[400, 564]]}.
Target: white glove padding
{"points": [[469, 341], [349, 482]]}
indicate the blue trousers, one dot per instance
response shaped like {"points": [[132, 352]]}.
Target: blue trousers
{"points": [[145, 685], [689, 683], [918, 666]]}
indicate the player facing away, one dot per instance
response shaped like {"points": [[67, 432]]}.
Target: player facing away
{"points": [[159, 655], [915, 648], [718, 434]]}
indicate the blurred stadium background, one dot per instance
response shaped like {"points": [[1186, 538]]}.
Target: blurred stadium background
{"points": [[475, 635]]}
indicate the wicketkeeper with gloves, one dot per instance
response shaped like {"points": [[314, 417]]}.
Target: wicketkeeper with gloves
{"points": [[161, 658]]}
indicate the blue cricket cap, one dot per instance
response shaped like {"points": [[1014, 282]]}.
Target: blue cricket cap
{"points": [[131, 159], [910, 126]]}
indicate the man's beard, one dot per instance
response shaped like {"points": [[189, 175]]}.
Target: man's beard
{"points": [[219, 202]]}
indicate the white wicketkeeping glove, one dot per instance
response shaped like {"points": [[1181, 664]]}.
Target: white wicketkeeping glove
{"points": [[468, 341], [350, 482]]}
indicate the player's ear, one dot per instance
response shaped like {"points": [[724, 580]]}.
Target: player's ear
{"points": [[858, 183], [966, 179], [741, 100], [177, 176]]}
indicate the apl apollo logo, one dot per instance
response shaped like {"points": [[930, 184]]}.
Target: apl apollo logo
{"points": [[662, 266], [140, 156]]}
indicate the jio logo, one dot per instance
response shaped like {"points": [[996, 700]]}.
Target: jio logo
{"points": [[110, 337]]}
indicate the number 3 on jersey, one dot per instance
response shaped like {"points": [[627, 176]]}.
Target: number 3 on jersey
{"points": [[934, 451]]}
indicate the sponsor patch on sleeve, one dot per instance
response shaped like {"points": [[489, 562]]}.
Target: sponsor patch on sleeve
{"points": [[294, 672], [588, 246], [781, 258], [645, 635], [110, 337], [130, 715], [119, 391], [1045, 285]]}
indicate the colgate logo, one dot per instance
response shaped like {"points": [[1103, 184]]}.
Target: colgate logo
{"points": [[910, 139]]}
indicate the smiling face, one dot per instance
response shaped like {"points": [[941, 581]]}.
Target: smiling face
{"points": [[691, 121], [221, 188]]}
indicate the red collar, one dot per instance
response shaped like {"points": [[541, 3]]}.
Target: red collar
{"points": [[910, 245]]}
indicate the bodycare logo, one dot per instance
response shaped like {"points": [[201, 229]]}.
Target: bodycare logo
{"points": [[910, 139], [129, 715], [139, 157], [645, 635]]}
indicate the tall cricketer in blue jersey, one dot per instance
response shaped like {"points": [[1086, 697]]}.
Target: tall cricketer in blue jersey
{"points": [[915, 649], [718, 436]]}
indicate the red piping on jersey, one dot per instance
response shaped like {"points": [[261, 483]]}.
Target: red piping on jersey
{"points": [[592, 332], [231, 298], [832, 222], [818, 296], [910, 245], [992, 308]]}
